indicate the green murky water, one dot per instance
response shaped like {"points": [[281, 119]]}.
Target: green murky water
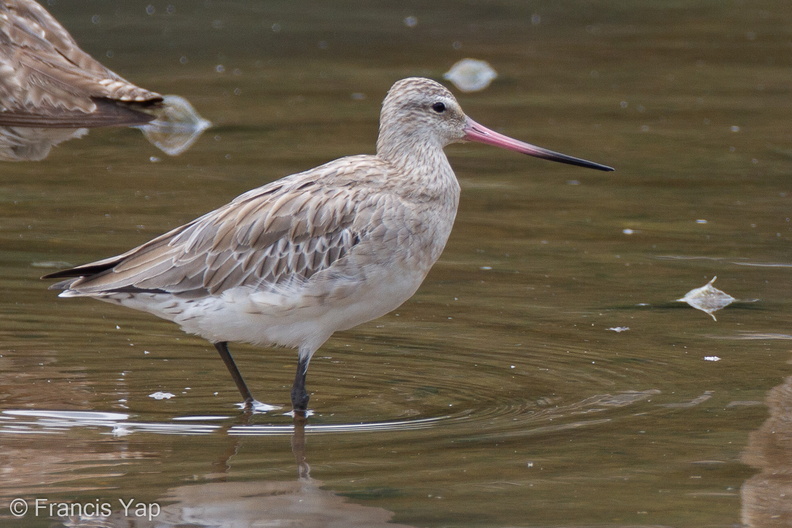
{"points": [[543, 375]]}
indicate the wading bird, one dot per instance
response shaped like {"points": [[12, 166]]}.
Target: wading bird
{"points": [[327, 249]]}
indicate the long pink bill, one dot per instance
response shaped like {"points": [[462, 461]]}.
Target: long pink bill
{"points": [[482, 134]]}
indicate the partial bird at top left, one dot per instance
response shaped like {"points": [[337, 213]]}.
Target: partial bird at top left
{"points": [[51, 90]]}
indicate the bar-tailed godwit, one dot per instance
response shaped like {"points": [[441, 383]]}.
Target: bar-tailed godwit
{"points": [[289, 263]]}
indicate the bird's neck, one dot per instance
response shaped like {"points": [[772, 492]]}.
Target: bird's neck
{"points": [[416, 159], [424, 178]]}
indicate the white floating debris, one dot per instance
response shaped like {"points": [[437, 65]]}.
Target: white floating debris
{"points": [[619, 329], [628, 231], [471, 75], [708, 299], [176, 127], [711, 358], [410, 21], [159, 395]]}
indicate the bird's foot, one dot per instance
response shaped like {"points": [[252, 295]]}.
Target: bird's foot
{"points": [[255, 406], [300, 416]]}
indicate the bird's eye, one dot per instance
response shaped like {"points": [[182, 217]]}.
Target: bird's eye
{"points": [[439, 108]]}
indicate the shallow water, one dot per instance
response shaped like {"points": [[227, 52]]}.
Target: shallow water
{"points": [[542, 376]]}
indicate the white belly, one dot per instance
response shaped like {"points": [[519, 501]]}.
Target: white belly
{"points": [[302, 316]]}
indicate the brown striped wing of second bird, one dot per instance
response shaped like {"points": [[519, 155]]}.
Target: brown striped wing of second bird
{"points": [[47, 81], [51, 91], [323, 250]]}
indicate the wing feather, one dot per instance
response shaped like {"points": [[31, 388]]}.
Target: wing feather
{"points": [[285, 231]]}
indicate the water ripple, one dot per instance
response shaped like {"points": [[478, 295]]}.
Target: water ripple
{"points": [[118, 424], [402, 425], [509, 392]]}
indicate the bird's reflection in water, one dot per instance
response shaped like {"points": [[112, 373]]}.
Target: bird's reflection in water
{"points": [[33, 144], [52, 91], [175, 127], [242, 504], [767, 496]]}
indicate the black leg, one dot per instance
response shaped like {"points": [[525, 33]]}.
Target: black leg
{"points": [[299, 396], [222, 348]]}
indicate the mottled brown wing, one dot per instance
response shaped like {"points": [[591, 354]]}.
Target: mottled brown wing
{"points": [[288, 230], [47, 80]]}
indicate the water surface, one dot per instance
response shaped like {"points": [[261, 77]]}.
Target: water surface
{"points": [[542, 376]]}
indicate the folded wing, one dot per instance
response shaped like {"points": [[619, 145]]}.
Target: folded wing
{"points": [[286, 231]]}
